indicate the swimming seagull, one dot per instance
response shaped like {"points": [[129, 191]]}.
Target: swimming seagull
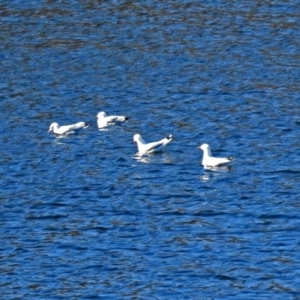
{"points": [[103, 120], [209, 161], [144, 148], [66, 129]]}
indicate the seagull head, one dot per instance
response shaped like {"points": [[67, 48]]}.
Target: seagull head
{"points": [[136, 138], [53, 126], [101, 114], [204, 147]]}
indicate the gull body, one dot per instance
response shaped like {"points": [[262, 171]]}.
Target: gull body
{"points": [[209, 161], [144, 147], [66, 129], [104, 120]]}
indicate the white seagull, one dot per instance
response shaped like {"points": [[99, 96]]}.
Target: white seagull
{"points": [[209, 161], [104, 120], [66, 129], [144, 148]]}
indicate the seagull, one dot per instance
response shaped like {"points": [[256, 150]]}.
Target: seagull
{"points": [[66, 129], [209, 161], [103, 120], [144, 148]]}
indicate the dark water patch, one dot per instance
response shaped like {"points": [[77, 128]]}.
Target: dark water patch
{"points": [[264, 216], [54, 217]]}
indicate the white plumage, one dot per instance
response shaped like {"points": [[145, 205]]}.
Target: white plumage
{"points": [[209, 161], [66, 129], [103, 120], [144, 148]]}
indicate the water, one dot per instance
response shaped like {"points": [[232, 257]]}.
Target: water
{"points": [[81, 218]]}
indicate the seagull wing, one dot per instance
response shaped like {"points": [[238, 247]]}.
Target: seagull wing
{"points": [[217, 161], [78, 125], [68, 128], [156, 146], [111, 119]]}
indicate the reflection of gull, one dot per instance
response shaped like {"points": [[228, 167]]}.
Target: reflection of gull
{"points": [[66, 129], [103, 120], [205, 178], [149, 158], [144, 148], [143, 159], [209, 162]]}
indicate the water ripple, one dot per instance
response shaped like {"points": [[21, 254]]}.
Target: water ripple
{"points": [[83, 217]]}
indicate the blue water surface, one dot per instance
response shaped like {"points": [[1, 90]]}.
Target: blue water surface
{"points": [[82, 217]]}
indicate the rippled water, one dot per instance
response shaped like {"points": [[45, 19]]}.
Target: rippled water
{"points": [[81, 218]]}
